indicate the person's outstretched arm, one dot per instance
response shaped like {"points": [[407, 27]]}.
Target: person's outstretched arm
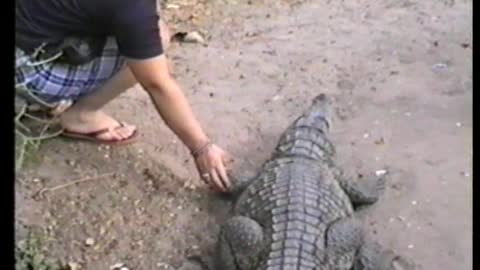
{"points": [[173, 107]]}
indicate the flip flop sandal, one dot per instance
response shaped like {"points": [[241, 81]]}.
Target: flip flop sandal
{"points": [[93, 136]]}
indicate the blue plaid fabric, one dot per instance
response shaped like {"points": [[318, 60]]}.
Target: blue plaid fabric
{"points": [[54, 81]]}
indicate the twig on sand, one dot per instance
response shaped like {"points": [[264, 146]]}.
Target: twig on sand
{"points": [[41, 193]]}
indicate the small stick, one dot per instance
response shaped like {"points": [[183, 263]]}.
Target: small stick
{"points": [[41, 193]]}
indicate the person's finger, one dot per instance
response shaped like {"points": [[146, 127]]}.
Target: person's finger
{"points": [[223, 176], [216, 180], [205, 177]]}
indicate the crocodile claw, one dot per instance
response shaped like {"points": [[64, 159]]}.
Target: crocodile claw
{"points": [[400, 263], [194, 263]]}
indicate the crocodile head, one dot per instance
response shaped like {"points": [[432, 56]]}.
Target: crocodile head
{"points": [[318, 115], [320, 111], [306, 136]]}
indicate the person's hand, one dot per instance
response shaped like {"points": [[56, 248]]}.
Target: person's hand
{"points": [[211, 163]]}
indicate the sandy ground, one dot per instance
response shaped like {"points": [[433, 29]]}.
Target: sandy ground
{"points": [[401, 72]]}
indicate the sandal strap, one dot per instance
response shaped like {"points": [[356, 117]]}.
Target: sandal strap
{"points": [[101, 131]]}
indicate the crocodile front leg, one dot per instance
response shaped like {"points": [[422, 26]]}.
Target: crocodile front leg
{"points": [[372, 256], [361, 191], [240, 242]]}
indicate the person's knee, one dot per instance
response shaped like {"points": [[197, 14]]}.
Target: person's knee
{"points": [[164, 34]]}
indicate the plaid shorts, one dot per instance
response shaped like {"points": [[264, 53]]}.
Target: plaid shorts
{"points": [[55, 82]]}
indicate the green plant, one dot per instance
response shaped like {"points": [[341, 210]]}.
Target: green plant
{"points": [[30, 130], [30, 256]]}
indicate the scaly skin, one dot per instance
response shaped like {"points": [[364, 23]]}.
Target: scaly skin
{"points": [[298, 212]]}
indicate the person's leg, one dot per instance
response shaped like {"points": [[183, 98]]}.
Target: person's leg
{"points": [[86, 116]]}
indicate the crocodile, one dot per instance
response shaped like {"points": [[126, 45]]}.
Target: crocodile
{"points": [[300, 212]]}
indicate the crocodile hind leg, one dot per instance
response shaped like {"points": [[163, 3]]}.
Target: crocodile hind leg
{"points": [[362, 191], [240, 241], [239, 184], [344, 238], [372, 256]]}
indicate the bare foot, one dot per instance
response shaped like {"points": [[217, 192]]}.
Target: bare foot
{"points": [[89, 122]]}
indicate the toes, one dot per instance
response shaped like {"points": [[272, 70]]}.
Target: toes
{"points": [[119, 133], [126, 131], [107, 136]]}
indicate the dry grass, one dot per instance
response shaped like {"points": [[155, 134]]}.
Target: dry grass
{"points": [[30, 129]]}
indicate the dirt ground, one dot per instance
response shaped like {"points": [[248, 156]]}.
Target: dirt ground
{"points": [[401, 72]]}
